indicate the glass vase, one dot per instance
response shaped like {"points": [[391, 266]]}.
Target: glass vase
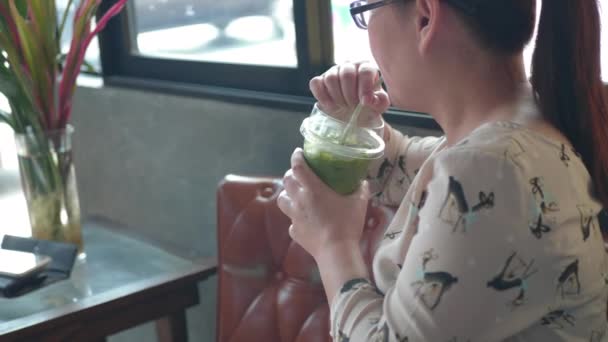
{"points": [[48, 179]]}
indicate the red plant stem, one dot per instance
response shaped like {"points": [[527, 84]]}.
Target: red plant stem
{"points": [[65, 84], [68, 86]]}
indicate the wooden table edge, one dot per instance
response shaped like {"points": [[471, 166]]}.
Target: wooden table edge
{"points": [[201, 269]]}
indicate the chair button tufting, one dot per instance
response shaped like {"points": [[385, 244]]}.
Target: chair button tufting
{"points": [[267, 192]]}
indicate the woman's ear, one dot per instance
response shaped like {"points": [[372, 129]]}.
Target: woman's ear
{"points": [[428, 13]]}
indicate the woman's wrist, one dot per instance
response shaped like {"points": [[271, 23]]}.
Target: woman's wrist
{"points": [[338, 263]]}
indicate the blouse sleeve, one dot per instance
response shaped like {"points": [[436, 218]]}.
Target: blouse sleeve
{"points": [[472, 271], [392, 175]]}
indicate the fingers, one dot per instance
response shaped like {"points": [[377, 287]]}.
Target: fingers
{"points": [[342, 87], [331, 80], [285, 203], [320, 92], [348, 82], [302, 171], [368, 79], [292, 232], [381, 102], [291, 185]]}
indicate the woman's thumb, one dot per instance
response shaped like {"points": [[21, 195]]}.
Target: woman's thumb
{"points": [[381, 101], [378, 102]]}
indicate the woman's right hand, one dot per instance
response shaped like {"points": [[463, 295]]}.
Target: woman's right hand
{"points": [[342, 87]]}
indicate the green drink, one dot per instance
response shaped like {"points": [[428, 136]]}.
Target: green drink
{"points": [[342, 166]]}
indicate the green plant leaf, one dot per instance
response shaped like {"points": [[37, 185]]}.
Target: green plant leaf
{"points": [[17, 74], [88, 67], [8, 83], [28, 44], [42, 76], [7, 118], [22, 8], [44, 27], [8, 87]]}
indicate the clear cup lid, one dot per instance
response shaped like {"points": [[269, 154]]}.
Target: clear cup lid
{"points": [[325, 131]]}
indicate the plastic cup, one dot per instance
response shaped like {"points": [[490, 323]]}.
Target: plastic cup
{"points": [[342, 166]]}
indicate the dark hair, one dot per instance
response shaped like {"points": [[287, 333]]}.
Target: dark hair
{"points": [[566, 74], [503, 26]]}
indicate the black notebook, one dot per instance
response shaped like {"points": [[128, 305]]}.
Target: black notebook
{"points": [[62, 255]]}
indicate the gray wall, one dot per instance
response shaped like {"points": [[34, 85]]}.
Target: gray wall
{"points": [[153, 162]]}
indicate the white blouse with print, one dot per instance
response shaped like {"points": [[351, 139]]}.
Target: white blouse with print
{"points": [[496, 238]]}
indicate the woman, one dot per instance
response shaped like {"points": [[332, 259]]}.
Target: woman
{"points": [[497, 236]]}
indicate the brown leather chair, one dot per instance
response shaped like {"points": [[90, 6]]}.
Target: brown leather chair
{"points": [[269, 287]]}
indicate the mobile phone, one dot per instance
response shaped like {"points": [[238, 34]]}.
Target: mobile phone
{"points": [[16, 264]]}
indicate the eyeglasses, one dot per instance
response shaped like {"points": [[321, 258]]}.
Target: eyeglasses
{"points": [[360, 10]]}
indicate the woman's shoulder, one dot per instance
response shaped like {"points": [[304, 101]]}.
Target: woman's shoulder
{"points": [[505, 146], [514, 155], [517, 144]]}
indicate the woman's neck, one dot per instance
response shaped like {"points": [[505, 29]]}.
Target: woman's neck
{"points": [[489, 93]]}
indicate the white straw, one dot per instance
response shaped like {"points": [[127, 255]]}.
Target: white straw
{"points": [[351, 123]]}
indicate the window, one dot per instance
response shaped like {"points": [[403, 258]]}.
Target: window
{"points": [[350, 42], [227, 31], [259, 45]]}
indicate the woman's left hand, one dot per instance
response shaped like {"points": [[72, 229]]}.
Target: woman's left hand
{"points": [[321, 218]]}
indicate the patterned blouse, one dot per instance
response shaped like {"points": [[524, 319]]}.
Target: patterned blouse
{"points": [[496, 238]]}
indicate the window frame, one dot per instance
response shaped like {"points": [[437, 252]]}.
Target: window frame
{"points": [[314, 54]]}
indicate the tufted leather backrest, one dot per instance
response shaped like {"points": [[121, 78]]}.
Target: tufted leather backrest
{"points": [[269, 287]]}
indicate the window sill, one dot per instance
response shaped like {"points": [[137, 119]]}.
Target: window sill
{"points": [[245, 97]]}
